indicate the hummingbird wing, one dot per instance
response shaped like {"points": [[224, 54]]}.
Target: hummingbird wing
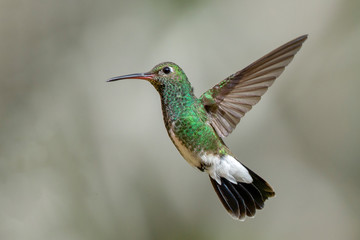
{"points": [[228, 101]]}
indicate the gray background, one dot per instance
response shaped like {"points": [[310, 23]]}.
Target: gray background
{"points": [[85, 159]]}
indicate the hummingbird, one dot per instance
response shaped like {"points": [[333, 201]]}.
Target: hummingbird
{"points": [[198, 126]]}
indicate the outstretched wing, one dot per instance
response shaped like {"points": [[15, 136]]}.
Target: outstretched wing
{"points": [[228, 101]]}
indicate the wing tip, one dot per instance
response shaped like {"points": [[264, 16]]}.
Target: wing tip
{"points": [[304, 36]]}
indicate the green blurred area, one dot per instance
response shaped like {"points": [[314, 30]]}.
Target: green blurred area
{"points": [[84, 159]]}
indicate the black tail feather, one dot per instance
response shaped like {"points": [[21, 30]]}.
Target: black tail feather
{"points": [[242, 199], [256, 194], [264, 188], [249, 200], [230, 202]]}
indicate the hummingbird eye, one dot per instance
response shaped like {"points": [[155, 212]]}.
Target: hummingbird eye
{"points": [[167, 70]]}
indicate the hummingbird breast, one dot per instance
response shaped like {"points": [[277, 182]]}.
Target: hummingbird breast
{"points": [[191, 133]]}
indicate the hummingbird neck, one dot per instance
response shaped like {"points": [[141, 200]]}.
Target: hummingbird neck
{"points": [[175, 99]]}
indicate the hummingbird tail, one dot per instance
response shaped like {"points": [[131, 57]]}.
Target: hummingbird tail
{"points": [[242, 199]]}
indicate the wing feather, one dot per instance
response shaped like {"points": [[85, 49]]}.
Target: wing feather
{"points": [[228, 101]]}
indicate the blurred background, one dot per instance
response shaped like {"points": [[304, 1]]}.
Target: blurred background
{"points": [[84, 159]]}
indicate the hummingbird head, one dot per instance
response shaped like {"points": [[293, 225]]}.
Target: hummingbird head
{"points": [[163, 74]]}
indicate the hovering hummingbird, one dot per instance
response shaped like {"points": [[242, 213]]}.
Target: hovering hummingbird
{"points": [[197, 126]]}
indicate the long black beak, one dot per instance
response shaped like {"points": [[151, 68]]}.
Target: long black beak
{"points": [[146, 76]]}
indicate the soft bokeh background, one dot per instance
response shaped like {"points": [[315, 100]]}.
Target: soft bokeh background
{"points": [[85, 159]]}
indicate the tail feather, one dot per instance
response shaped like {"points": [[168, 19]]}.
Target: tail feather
{"points": [[233, 204], [264, 188], [249, 200], [256, 194], [242, 199]]}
